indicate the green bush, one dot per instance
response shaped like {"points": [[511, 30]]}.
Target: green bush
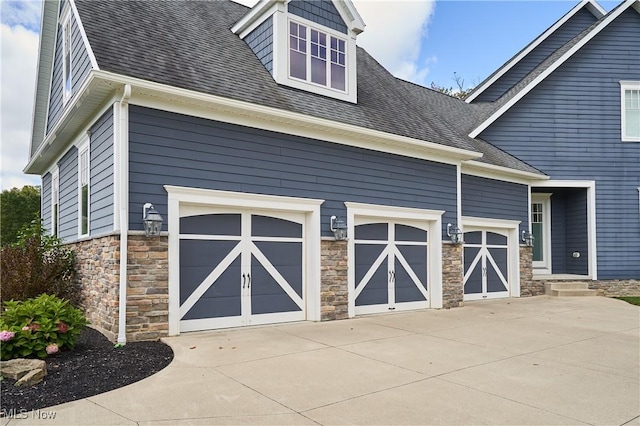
{"points": [[38, 327], [36, 264]]}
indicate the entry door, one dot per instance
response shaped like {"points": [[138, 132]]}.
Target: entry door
{"points": [[486, 264], [390, 266], [241, 268]]}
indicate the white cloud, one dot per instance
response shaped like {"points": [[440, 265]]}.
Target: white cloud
{"points": [[18, 75], [25, 13]]}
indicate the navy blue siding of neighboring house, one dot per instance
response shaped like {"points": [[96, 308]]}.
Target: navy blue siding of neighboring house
{"points": [[46, 201], [576, 24], [322, 12], [80, 68], [68, 172], [569, 127], [173, 149], [260, 41], [101, 175], [495, 199]]}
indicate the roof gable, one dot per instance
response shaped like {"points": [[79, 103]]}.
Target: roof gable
{"points": [[571, 24], [548, 66]]}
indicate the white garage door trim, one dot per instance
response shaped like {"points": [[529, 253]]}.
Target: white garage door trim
{"points": [[182, 198], [358, 213], [510, 227]]}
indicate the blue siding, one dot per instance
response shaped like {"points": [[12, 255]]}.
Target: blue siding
{"points": [[80, 68], [322, 12], [68, 166], [46, 201], [569, 127], [101, 175], [494, 199], [260, 41], [576, 232], [574, 26], [167, 148]]}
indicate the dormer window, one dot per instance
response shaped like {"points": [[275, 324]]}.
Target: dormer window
{"points": [[317, 57], [304, 44]]}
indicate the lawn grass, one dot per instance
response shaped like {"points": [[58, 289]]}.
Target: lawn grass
{"points": [[634, 300]]}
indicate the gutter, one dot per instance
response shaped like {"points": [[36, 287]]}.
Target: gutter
{"points": [[123, 146]]}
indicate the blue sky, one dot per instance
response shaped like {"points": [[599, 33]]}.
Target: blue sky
{"points": [[421, 41]]}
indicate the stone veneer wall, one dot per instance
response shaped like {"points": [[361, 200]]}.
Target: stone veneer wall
{"points": [[528, 286], [452, 276], [334, 293], [613, 288], [98, 266], [148, 288]]}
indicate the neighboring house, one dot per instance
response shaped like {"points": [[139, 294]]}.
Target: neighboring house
{"points": [[249, 129]]}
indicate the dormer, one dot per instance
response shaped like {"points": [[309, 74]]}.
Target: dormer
{"points": [[308, 45]]}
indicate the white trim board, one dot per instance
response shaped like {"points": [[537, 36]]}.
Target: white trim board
{"points": [[544, 74], [593, 7]]}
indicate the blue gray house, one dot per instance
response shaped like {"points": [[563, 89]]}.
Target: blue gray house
{"points": [[257, 133]]}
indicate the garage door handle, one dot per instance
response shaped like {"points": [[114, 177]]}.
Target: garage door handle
{"points": [[248, 280], [244, 280]]}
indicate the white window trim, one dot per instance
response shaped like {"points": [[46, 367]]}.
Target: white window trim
{"points": [[82, 147], [543, 267], [65, 22], [55, 199], [281, 21], [626, 85]]}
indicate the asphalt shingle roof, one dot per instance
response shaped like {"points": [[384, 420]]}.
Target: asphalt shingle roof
{"points": [[189, 44]]}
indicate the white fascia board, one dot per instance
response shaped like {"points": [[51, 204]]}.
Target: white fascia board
{"points": [[377, 210], [350, 15], [169, 98], [85, 40], [255, 17], [551, 69], [565, 184], [490, 171], [592, 6], [483, 222]]}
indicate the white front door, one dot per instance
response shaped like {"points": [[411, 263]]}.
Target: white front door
{"points": [[541, 230]]}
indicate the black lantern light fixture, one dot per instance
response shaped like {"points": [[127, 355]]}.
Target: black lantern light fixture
{"points": [[528, 238], [152, 220], [454, 233], [339, 228]]}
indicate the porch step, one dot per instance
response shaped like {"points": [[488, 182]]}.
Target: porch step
{"points": [[568, 289]]}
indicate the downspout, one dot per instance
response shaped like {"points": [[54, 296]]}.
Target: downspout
{"points": [[123, 194]]}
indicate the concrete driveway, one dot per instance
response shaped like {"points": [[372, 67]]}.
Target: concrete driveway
{"points": [[538, 360]]}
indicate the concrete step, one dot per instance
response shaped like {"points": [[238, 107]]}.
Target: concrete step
{"points": [[568, 289], [573, 292]]}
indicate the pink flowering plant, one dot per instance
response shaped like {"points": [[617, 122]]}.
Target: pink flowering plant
{"points": [[38, 327]]}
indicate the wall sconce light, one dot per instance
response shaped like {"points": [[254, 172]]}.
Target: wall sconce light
{"points": [[339, 228], [454, 233], [152, 220], [528, 238]]}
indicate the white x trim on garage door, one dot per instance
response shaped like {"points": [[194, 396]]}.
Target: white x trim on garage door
{"points": [[241, 259]]}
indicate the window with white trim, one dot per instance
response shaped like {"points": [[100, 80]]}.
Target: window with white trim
{"points": [[67, 74], [83, 190], [630, 110], [317, 57], [55, 203]]}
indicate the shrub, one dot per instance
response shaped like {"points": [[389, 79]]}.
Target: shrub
{"points": [[38, 327], [37, 264]]}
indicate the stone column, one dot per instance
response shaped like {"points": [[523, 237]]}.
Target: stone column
{"points": [[334, 294], [452, 275], [528, 286]]}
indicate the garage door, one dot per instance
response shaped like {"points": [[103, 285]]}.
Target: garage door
{"points": [[240, 268], [391, 261], [486, 264]]}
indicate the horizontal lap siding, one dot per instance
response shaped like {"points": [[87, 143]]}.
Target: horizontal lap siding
{"points": [[260, 41], [576, 24], [68, 166], [322, 12], [576, 233], [101, 175], [494, 199], [569, 127], [80, 68], [173, 149], [46, 201]]}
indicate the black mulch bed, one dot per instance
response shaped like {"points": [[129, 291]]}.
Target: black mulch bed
{"points": [[94, 366]]}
